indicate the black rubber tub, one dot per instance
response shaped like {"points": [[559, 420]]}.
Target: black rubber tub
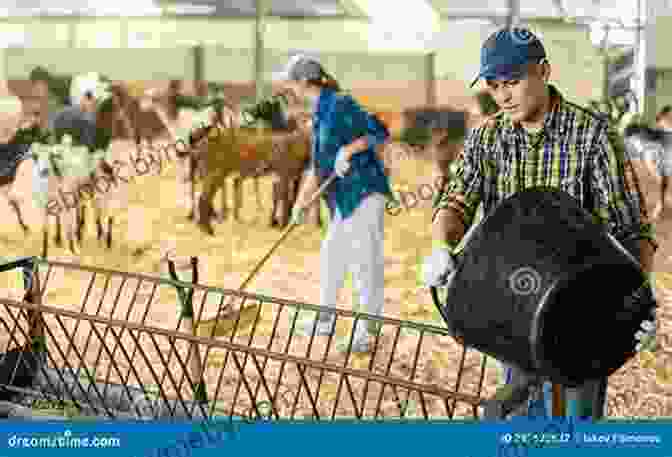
{"points": [[540, 285]]}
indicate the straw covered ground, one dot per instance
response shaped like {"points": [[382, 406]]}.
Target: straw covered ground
{"points": [[150, 221]]}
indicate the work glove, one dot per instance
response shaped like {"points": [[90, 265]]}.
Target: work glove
{"points": [[438, 267], [342, 164], [298, 216], [646, 337]]}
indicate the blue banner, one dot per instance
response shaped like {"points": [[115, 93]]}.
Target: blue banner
{"points": [[515, 438]]}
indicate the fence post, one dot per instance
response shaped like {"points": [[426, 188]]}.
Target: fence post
{"points": [[31, 282], [187, 318], [559, 403]]}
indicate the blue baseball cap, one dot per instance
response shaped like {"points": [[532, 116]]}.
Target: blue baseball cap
{"points": [[506, 53]]}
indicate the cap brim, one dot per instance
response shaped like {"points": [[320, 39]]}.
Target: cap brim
{"points": [[510, 76]]}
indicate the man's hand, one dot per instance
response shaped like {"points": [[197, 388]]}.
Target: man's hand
{"points": [[438, 267], [342, 164]]}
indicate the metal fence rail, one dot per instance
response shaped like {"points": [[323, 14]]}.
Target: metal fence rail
{"points": [[113, 343]]}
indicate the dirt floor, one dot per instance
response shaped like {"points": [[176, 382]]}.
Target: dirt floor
{"points": [[150, 221]]}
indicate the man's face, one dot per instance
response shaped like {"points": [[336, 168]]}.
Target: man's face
{"points": [[522, 99]]}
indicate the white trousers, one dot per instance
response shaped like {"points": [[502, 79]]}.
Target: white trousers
{"points": [[355, 244]]}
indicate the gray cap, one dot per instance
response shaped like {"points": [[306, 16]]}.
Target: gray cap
{"points": [[300, 67]]}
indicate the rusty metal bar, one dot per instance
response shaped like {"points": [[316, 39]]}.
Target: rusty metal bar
{"points": [[137, 345], [118, 341], [84, 301], [100, 306], [460, 370], [252, 351], [280, 368], [226, 359], [246, 295], [16, 342], [558, 401]]}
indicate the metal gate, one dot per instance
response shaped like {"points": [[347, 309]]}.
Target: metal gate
{"points": [[115, 344]]}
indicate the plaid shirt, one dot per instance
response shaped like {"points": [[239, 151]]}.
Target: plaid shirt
{"points": [[575, 147]]}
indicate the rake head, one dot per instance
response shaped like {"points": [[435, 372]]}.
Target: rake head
{"points": [[227, 320]]}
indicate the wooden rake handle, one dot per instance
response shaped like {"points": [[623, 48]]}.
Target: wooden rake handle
{"points": [[286, 233]]}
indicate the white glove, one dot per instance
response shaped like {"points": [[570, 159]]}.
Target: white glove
{"points": [[438, 267], [298, 216], [342, 164], [646, 337]]}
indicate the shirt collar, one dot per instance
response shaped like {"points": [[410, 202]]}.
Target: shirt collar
{"points": [[319, 107]]}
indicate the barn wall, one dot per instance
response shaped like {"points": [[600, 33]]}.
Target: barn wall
{"points": [[153, 49]]}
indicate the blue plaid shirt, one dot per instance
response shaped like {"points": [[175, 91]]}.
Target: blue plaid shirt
{"points": [[339, 120]]}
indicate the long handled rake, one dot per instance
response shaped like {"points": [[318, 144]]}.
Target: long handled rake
{"points": [[226, 318]]}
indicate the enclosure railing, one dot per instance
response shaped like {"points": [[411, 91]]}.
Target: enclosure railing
{"points": [[111, 343]]}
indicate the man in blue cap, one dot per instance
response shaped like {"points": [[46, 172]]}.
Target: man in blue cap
{"points": [[537, 138]]}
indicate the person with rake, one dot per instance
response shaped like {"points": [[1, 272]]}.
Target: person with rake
{"points": [[345, 138], [540, 139]]}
